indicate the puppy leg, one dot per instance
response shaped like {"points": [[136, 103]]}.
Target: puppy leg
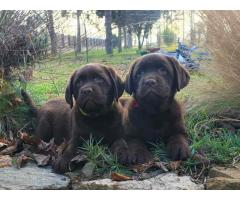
{"points": [[131, 152], [178, 148], [43, 130], [63, 163]]}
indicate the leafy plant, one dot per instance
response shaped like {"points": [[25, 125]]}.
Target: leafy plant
{"points": [[218, 144], [102, 157], [168, 36], [159, 151]]}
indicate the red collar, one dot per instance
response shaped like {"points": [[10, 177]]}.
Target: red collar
{"points": [[135, 104]]}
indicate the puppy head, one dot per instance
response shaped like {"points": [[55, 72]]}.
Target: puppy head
{"points": [[154, 79], [94, 87]]}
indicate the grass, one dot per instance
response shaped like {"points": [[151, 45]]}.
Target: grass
{"points": [[219, 149], [218, 144], [56, 74], [101, 157], [50, 78], [159, 151]]}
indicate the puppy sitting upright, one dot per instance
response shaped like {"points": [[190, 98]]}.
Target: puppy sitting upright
{"points": [[152, 112]]}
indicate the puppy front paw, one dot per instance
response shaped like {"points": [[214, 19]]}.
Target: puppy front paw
{"points": [[137, 156], [61, 165], [178, 148], [132, 153]]}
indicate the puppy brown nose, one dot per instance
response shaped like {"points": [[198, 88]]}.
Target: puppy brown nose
{"points": [[86, 90], [150, 82]]}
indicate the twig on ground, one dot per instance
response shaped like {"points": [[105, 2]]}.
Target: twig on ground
{"points": [[203, 123], [236, 159]]}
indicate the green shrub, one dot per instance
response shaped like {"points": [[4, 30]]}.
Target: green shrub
{"points": [[168, 36]]}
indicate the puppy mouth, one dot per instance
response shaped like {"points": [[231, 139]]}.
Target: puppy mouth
{"points": [[150, 92], [91, 104], [151, 96]]}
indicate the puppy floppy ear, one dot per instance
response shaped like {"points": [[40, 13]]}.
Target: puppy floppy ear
{"points": [[118, 85], [69, 91], [129, 78], [181, 75]]}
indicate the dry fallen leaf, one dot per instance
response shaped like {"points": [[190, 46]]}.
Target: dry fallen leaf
{"points": [[5, 141], [14, 101], [202, 159], [22, 160], [119, 177], [15, 147], [60, 149], [3, 146], [49, 147], [5, 161], [42, 160], [79, 158], [174, 165], [29, 139], [161, 166], [140, 168]]}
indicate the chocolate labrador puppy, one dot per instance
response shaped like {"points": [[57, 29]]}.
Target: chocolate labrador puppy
{"points": [[92, 94], [53, 119], [90, 107], [152, 113]]}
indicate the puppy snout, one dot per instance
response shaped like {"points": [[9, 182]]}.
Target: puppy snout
{"points": [[150, 82], [87, 90]]}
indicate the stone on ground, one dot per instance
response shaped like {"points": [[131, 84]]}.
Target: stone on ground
{"points": [[32, 177], [165, 181], [222, 178]]}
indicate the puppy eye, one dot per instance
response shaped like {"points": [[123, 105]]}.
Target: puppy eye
{"points": [[162, 71], [140, 74], [98, 79], [79, 81]]}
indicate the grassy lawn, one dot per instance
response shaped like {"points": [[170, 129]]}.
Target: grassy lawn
{"points": [[219, 145], [51, 77]]}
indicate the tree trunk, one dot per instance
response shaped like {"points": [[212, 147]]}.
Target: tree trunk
{"points": [[119, 39], [78, 48], [183, 27], [139, 42], [139, 32], [86, 41], [129, 38], [52, 34], [125, 37], [108, 41], [63, 40], [192, 32], [144, 35], [69, 40]]}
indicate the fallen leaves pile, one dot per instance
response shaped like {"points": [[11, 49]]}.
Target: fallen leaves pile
{"points": [[26, 148]]}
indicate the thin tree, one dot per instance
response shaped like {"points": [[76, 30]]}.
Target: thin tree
{"points": [[142, 22], [129, 37], [51, 30], [108, 22], [119, 39], [78, 49]]}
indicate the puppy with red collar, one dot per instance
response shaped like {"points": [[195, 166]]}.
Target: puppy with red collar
{"points": [[152, 113]]}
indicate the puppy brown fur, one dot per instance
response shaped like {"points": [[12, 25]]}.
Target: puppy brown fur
{"points": [[92, 94], [152, 112], [90, 107], [53, 119]]}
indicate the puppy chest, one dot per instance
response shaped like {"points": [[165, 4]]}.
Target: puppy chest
{"points": [[148, 128]]}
